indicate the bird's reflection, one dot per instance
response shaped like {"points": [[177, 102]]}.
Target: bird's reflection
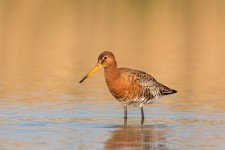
{"points": [[137, 137], [125, 121]]}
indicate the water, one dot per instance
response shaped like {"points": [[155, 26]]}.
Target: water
{"points": [[47, 47]]}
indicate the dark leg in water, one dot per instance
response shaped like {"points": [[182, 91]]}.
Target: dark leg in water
{"points": [[142, 116], [125, 112], [125, 115], [125, 121], [142, 113]]}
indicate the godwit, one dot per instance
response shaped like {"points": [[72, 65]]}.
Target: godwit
{"points": [[129, 86]]}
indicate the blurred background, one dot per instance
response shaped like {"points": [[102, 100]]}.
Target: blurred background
{"points": [[46, 47]]}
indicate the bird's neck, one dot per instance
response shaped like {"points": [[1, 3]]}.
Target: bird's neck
{"points": [[111, 73]]}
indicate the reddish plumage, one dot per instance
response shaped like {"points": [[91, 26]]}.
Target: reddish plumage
{"points": [[130, 86]]}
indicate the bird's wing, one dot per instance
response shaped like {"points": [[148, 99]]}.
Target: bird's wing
{"points": [[148, 82]]}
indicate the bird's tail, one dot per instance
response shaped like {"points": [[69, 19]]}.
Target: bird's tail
{"points": [[165, 90]]}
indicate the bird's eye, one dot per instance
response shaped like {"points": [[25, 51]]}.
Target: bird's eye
{"points": [[105, 57]]}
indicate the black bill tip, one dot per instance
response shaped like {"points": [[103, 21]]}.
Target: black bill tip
{"points": [[83, 79]]}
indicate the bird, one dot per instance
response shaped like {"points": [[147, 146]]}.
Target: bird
{"points": [[128, 86]]}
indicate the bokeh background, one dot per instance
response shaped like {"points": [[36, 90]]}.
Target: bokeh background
{"points": [[47, 46]]}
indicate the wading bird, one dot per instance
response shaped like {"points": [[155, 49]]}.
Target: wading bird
{"points": [[129, 86]]}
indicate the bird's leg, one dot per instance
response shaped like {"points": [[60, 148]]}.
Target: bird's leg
{"points": [[142, 113], [142, 116], [125, 121], [125, 111]]}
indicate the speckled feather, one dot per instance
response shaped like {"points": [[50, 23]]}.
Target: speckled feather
{"points": [[141, 88]]}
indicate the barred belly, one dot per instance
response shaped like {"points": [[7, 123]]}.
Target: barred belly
{"points": [[144, 96]]}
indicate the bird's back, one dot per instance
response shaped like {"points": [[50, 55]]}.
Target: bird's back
{"points": [[141, 87]]}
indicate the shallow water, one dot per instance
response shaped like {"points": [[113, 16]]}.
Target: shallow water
{"points": [[47, 47]]}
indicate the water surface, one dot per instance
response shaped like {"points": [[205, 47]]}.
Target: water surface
{"points": [[46, 47]]}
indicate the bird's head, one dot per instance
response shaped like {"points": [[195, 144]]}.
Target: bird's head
{"points": [[105, 59]]}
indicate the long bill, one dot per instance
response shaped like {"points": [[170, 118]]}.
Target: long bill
{"points": [[98, 66]]}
